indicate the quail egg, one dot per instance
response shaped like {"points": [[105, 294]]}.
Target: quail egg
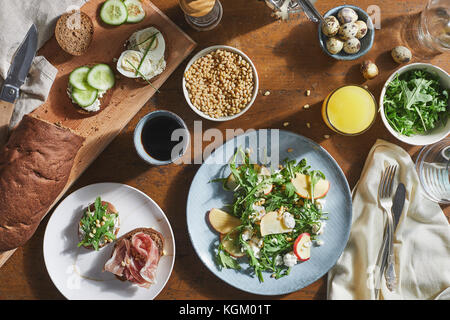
{"points": [[347, 15], [348, 31], [362, 29], [352, 46], [331, 26], [369, 69], [401, 54], [334, 45]]}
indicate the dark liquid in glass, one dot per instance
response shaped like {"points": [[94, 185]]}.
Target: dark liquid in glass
{"points": [[157, 137]]}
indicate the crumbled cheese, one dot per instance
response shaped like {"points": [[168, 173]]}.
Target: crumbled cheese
{"points": [[288, 220], [290, 259]]}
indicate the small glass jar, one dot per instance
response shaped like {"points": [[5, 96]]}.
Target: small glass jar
{"points": [[202, 15]]}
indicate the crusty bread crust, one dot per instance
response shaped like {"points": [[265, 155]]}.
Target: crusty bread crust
{"points": [[110, 209], [74, 32], [35, 165]]}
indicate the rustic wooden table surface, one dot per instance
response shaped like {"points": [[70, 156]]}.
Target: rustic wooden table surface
{"points": [[289, 61]]}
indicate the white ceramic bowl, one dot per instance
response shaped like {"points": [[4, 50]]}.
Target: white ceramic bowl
{"points": [[433, 136], [204, 52]]}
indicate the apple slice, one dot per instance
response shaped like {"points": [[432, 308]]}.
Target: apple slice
{"points": [[272, 224], [231, 244], [268, 189], [302, 247], [302, 184], [231, 183], [222, 221]]}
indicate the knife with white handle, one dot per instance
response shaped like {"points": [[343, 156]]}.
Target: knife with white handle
{"points": [[17, 74]]}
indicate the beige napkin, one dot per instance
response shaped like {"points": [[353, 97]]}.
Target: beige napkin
{"points": [[421, 240], [16, 17]]}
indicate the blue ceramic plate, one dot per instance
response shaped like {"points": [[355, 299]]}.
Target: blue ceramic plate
{"points": [[204, 195]]}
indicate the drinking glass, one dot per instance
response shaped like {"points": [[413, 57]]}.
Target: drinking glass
{"points": [[434, 26], [432, 166], [202, 15]]}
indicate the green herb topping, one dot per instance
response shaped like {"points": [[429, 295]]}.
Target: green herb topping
{"points": [[97, 226], [415, 103]]}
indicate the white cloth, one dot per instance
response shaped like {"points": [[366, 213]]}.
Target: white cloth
{"points": [[421, 240], [16, 17]]}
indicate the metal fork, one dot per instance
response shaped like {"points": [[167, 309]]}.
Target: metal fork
{"points": [[387, 254]]}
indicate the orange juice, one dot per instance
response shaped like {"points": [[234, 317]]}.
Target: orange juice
{"points": [[349, 110]]}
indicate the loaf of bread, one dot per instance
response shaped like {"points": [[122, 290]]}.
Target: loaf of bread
{"points": [[35, 166]]}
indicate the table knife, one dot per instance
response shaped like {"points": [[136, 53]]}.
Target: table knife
{"points": [[15, 78], [398, 203], [397, 208]]}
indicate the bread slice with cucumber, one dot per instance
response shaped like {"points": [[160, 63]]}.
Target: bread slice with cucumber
{"points": [[90, 87]]}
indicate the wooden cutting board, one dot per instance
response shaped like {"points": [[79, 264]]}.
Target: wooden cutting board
{"points": [[128, 95]]}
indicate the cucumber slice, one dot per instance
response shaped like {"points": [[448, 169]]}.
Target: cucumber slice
{"points": [[101, 77], [84, 98], [135, 11], [77, 78], [114, 12]]}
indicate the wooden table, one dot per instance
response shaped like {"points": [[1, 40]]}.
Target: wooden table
{"points": [[289, 61]]}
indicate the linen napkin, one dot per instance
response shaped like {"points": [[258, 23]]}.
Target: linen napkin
{"points": [[16, 17], [421, 240]]}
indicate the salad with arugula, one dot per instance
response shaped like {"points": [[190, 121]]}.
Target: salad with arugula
{"points": [[275, 218], [415, 102]]}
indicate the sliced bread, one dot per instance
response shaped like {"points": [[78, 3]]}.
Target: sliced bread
{"points": [[74, 32]]}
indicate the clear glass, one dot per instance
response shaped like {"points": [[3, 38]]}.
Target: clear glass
{"points": [[434, 26], [202, 15], [432, 166]]}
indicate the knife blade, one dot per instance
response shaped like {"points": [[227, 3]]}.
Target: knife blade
{"points": [[398, 203], [15, 78], [311, 11]]}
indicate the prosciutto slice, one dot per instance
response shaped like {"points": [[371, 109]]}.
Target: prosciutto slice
{"points": [[135, 259]]}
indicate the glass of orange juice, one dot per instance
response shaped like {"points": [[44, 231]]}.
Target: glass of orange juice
{"points": [[349, 110]]}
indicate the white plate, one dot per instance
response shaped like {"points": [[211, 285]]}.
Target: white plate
{"points": [[77, 272]]}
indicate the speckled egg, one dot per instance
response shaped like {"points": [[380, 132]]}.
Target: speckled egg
{"points": [[347, 15], [362, 29], [331, 26], [334, 45], [352, 46], [348, 31], [401, 54]]}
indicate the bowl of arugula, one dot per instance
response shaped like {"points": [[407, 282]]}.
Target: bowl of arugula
{"points": [[414, 104]]}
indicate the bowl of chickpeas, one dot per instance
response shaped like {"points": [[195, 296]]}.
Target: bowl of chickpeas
{"points": [[347, 34], [220, 83]]}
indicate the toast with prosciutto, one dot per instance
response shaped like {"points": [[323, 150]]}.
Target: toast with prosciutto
{"points": [[136, 255]]}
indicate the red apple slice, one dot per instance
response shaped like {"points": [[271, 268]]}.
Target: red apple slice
{"points": [[302, 184], [231, 244], [222, 221], [302, 247], [271, 223]]}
